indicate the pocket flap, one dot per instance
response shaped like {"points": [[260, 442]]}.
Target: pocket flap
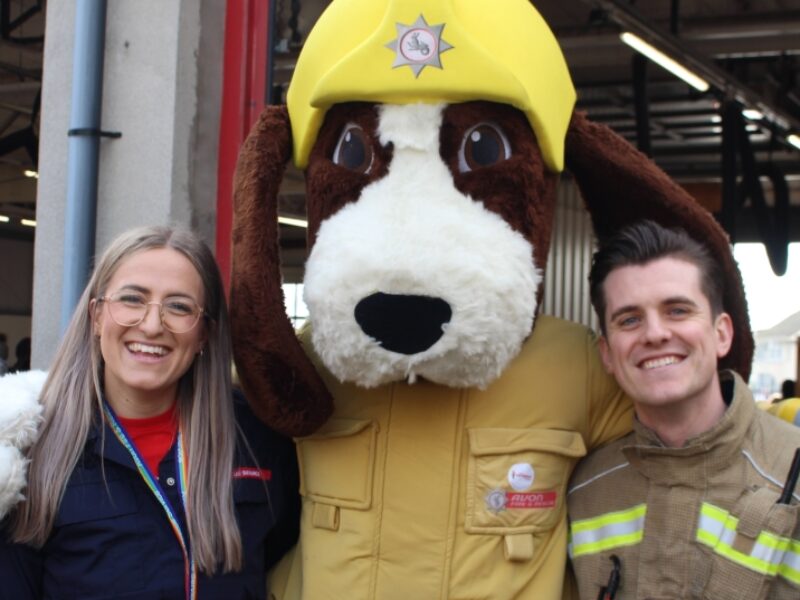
{"points": [[486, 442], [516, 478], [250, 491], [337, 462], [94, 501]]}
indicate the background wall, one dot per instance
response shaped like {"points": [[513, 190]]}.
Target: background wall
{"points": [[161, 90], [16, 288]]}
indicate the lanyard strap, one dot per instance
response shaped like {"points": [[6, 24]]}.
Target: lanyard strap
{"points": [[190, 569]]}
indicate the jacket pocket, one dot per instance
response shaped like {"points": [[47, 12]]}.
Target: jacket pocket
{"points": [[337, 465], [753, 553], [101, 542], [250, 491], [95, 501], [517, 478]]}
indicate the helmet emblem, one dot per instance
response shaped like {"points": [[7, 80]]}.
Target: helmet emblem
{"points": [[418, 45]]}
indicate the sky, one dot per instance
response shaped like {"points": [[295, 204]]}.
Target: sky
{"points": [[770, 299]]}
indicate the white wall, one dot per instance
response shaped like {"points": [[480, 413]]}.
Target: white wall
{"points": [[162, 90]]}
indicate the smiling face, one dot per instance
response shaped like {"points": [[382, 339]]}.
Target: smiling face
{"points": [[143, 363], [662, 342]]}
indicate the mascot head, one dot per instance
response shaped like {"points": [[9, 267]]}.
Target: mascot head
{"points": [[432, 134], [422, 273]]}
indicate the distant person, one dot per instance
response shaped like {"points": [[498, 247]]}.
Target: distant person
{"points": [[3, 354], [23, 354], [788, 389], [695, 503], [788, 406]]}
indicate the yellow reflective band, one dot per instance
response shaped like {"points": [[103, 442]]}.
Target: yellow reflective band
{"points": [[611, 530], [771, 554]]}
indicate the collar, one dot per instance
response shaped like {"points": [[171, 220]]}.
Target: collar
{"points": [[102, 442], [712, 450]]}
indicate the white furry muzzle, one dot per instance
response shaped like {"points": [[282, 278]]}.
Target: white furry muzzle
{"points": [[412, 234]]}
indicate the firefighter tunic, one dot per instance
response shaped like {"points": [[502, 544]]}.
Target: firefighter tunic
{"points": [[425, 491], [697, 522]]}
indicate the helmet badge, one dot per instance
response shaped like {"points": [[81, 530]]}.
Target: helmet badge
{"points": [[418, 45]]}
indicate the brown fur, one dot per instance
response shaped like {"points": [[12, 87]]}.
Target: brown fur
{"points": [[329, 186], [279, 381], [520, 189], [618, 183], [621, 185]]}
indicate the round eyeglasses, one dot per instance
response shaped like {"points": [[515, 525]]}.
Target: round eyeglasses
{"points": [[179, 314]]}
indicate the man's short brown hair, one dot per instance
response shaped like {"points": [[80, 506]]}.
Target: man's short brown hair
{"points": [[644, 242]]}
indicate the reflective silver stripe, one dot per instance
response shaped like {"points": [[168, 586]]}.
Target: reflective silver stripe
{"points": [[716, 529], [771, 554], [612, 530], [765, 475], [607, 531], [596, 477]]}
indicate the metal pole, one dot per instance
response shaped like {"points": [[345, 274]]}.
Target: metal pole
{"points": [[84, 142]]}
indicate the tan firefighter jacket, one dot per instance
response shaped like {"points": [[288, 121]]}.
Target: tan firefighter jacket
{"points": [[697, 522], [428, 492]]}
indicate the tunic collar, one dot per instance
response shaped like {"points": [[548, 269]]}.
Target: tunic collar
{"points": [[710, 451]]}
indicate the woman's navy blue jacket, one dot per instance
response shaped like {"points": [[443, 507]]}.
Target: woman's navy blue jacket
{"points": [[112, 539]]}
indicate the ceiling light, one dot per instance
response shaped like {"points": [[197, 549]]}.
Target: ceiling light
{"points": [[752, 114], [28, 222], [30, 173], [293, 222], [4, 219], [665, 61], [794, 140]]}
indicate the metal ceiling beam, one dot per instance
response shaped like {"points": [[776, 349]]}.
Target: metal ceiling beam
{"points": [[718, 37], [628, 18]]}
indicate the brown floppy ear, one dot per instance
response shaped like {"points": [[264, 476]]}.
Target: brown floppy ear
{"points": [[621, 185], [279, 381]]}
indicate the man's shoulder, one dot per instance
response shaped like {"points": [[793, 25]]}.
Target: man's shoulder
{"points": [[771, 446], [776, 434], [602, 466]]}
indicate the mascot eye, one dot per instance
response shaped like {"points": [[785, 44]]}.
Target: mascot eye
{"points": [[353, 150], [483, 145]]}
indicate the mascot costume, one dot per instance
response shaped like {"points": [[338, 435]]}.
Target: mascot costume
{"points": [[438, 417]]}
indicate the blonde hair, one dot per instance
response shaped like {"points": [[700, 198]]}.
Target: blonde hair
{"points": [[72, 400]]}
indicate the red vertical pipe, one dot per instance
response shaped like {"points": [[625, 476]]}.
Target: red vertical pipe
{"points": [[243, 97]]}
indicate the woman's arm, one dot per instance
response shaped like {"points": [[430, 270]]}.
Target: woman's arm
{"points": [[287, 527], [20, 571]]}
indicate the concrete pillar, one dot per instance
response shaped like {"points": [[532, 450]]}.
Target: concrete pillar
{"points": [[162, 86]]}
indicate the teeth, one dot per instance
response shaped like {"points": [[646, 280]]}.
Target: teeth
{"points": [[659, 362], [147, 349]]}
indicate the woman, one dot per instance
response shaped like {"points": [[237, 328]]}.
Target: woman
{"points": [[147, 480]]}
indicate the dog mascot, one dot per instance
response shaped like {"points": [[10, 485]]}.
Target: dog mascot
{"points": [[437, 416]]}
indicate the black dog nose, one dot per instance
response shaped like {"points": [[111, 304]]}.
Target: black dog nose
{"points": [[403, 323]]}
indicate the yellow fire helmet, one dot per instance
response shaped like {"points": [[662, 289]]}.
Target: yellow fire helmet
{"points": [[407, 51]]}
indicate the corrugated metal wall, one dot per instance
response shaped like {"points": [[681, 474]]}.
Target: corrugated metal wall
{"points": [[566, 287]]}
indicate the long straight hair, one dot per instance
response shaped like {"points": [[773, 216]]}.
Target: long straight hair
{"points": [[72, 401]]}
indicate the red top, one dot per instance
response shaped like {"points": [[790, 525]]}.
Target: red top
{"points": [[153, 436]]}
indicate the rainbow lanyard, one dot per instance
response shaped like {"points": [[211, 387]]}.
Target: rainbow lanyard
{"points": [[190, 569]]}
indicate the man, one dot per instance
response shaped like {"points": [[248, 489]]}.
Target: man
{"points": [[691, 504]]}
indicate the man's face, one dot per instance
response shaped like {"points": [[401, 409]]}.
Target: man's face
{"points": [[662, 342]]}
